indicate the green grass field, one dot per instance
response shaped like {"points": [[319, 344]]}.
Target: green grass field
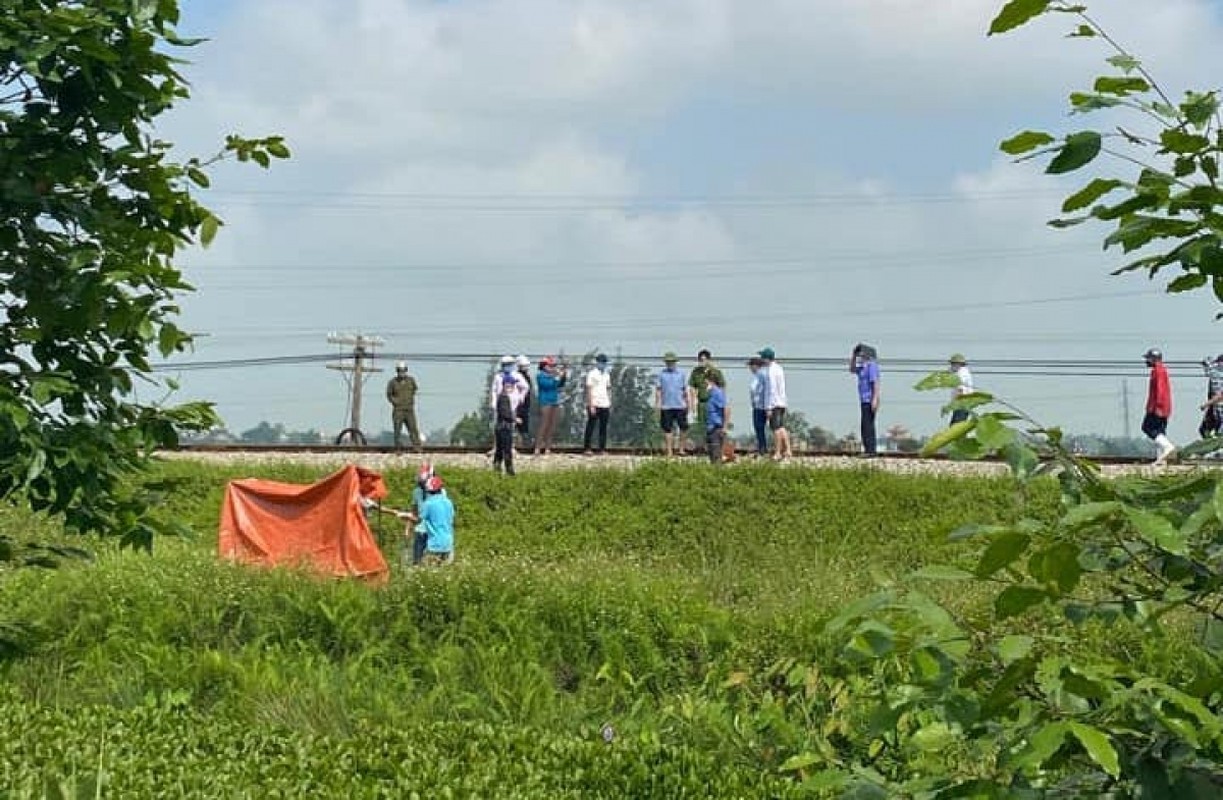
{"points": [[648, 633]]}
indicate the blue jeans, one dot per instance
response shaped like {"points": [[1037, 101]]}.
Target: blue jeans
{"points": [[760, 419]]}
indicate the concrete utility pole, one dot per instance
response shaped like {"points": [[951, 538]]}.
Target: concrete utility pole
{"points": [[360, 366]]}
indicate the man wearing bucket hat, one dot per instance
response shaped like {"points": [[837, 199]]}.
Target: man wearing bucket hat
{"points": [[776, 403], [958, 366], [673, 401], [1159, 405]]}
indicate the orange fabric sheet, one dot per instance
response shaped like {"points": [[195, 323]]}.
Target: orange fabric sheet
{"points": [[319, 525]]}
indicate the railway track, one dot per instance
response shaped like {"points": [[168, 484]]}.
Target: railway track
{"points": [[238, 450]]}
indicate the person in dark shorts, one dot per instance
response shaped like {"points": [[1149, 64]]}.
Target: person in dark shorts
{"points": [[1212, 409], [673, 399], [524, 405], [1159, 405]]}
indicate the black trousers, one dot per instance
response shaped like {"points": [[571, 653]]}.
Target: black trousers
{"points": [[869, 441], [1153, 425], [503, 448], [599, 417]]}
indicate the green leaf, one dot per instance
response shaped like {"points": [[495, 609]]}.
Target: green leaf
{"points": [[1187, 282], [1044, 744], [1013, 648], [945, 437], [992, 433], [1016, 13], [1078, 151], [1124, 62], [1121, 86], [1089, 194], [1157, 530], [942, 572], [873, 639], [278, 150], [208, 229], [1002, 552], [1025, 141], [1015, 600], [1199, 108], [1090, 513], [1083, 102], [937, 380], [800, 761], [143, 11], [1057, 566], [199, 177], [1098, 746], [1083, 32], [1176, 140], [933, 737]]}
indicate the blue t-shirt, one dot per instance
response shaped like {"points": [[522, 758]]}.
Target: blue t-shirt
{"points": [[868, 376], [548, 388], [715, 410], [437, 518], [674, 386]]}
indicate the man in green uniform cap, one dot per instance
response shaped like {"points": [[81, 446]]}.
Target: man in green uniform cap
{"points": [[401, 394], [704, 370]]}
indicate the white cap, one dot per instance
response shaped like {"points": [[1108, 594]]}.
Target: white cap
{"points": [[507, 360], [401, 366], [523, 361]]}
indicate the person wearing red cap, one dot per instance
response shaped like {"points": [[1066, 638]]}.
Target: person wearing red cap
{"points": [[417, 535], [1159, 405], [549, 380], [437, 518]]}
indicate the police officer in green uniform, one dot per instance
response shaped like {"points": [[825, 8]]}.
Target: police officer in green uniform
{"points": [[401, 394], [704, 370]]}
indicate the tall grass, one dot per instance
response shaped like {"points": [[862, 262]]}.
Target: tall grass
{"points": [[579, 599]]}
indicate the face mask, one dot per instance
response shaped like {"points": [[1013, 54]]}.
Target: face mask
{"points": [[602, 368]]}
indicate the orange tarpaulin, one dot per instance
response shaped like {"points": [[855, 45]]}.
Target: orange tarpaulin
{"points": [[321, 525]]}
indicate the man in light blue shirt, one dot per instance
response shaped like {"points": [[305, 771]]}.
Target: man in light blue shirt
{"points": [[673, 399]]}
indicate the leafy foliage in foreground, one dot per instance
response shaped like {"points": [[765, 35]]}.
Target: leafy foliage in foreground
{"points": [[707, 616], [93, 212]]}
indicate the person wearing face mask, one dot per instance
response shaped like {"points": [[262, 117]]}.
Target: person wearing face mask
{"points": [[863, 362], [598, 403], [507, 373]]}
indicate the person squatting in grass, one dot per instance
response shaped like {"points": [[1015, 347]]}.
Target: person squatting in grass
{"points": [[758, 391], [437, 517], [717, 418], [1212, 414], [863, 362], [673, 401], [1159, 405], [548, 383], [507, 414], [418, 536], [598, 403]]}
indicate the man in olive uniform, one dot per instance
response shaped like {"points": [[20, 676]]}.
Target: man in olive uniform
{"points": [[699, 382], [401, 394]]}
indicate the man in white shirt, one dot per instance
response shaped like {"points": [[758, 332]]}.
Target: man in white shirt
{"points": [[776, 404], [958, 365], [598, 403]]}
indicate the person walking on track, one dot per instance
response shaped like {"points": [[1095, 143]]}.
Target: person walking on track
{"points": [[1159, 405]]}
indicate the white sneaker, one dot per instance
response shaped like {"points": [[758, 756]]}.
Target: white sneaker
{"points": [[1164, 454]]}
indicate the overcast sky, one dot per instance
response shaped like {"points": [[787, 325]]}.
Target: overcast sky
{"points": [[474, 176]]}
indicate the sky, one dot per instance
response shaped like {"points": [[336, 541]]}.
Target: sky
{"points": [[637, 176]]}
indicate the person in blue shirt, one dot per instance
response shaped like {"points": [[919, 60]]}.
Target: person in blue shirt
{"points": [[549, 380], [673, 399], [863, 363], [758, 390], [437, 518], [717, 418]]}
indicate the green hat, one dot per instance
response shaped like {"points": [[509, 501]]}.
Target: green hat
{"points": [[670, 357], [767, 353], [957, 358]]}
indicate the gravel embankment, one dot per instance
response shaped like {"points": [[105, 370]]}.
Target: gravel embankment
{"points": [[527, 463]]}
